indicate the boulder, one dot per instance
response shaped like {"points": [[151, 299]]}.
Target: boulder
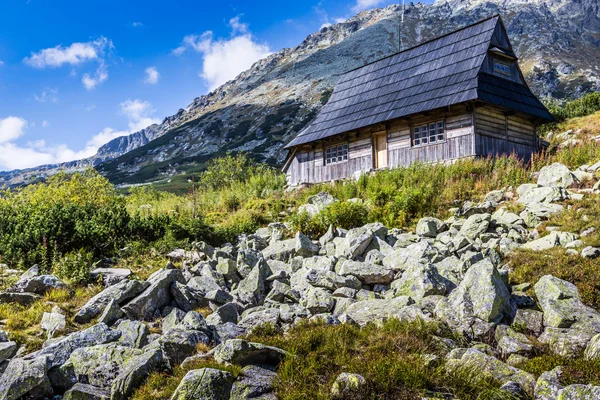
{"points": [[428, 227], [561, 304], [37, 284], [100, 365], [304, 247], [252, 288], [53, 322], [59, 352], [112, 312], [254, 382], [379, 310], [548, 385], [259, 316], [418, 281], [318, 300], [555, 238], [110, 276], [22, 377], [204, 384], [542, 195], [242, 352], [569, 343], [155, 297], [347, 385], [357, 240], [7, 350], [590, 252], [23, 299], [227, 331], [368, 274], [475, 225], [225, 313], [482, 295], [178, 345], [316, 204], [556, 175], [135, 373], [490, 367], [120, 293], [281, 250], [82, 391], [331, 281], [187, 298], [133, 334]]}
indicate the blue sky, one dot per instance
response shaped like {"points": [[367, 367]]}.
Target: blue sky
{"points": [[75, 74]]}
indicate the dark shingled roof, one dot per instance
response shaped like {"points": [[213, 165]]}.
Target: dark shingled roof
{"points": [[434, 74]]}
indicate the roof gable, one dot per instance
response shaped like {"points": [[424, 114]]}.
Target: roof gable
{"points": [[434, 74]]}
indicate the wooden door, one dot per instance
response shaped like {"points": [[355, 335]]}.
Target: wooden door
{"points": [[381, 159]]}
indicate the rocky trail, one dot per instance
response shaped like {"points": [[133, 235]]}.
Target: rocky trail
{"points": [[452, 272]]}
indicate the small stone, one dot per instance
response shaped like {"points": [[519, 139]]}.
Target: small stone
{"points": [[590, 252], [346, 385]]}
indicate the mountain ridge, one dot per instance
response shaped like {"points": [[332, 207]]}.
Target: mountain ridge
{"points": [[265, 106]]}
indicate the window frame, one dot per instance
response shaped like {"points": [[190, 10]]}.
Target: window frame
{"points": [[416, 130], [500, 71], [338, 147]]}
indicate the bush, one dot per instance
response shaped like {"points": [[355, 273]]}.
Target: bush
{"points": [[67, 213], [341, 214], [74, 267]]}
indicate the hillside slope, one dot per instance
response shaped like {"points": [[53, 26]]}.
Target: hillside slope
{"points": [[267, 105]]}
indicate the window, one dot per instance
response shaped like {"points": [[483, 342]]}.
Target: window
{"points": [[336, 154], [429, 134], [501, 68]]}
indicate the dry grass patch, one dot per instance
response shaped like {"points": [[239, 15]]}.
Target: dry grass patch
{"points": [[389, 357], [530, 266]]}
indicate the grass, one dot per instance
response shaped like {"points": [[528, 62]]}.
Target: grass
{"points": [[578, 216], [389, 357], [575, 371], [23, 322], [530, 266]]}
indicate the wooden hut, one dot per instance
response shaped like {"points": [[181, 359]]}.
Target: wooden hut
{"points": [[460, 95]]}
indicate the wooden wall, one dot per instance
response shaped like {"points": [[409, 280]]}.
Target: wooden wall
{"points": [[458, 144], [495, 132], [308, 164], [502, 133]]}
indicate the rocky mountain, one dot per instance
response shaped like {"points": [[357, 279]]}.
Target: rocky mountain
{"points": [[558, 42]]}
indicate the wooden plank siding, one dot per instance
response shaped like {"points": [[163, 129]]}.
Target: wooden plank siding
{"points": [[498, 132], [308, 163], [494, 132]]}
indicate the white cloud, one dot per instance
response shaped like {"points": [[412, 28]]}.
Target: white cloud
{"points": [[15, 156], [137, 24], [11, 128], [139, 113], [48, 95], [90, 108], [362, 5], [224, 59], [1, 63], [100, 76], [152, 76], [45, 124], [237, 26], [75, 54]]}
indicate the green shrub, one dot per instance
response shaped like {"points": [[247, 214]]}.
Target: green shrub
{"points": [[341, 214], [67, 213], [74, 267]]}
